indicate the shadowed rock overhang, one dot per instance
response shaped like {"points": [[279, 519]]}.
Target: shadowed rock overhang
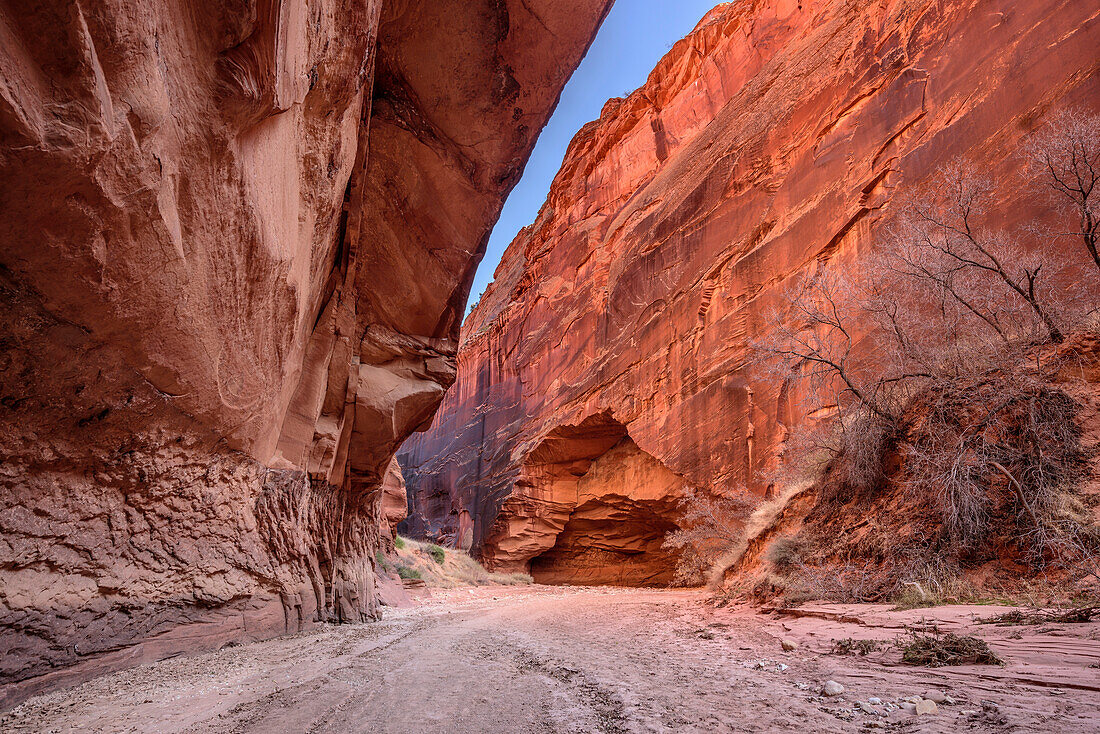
{"points": [[236, 241]]}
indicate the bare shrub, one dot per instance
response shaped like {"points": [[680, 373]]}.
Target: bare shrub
{"points": [[1065, 155], [1005, 431], [812, 335], [859, 466], [944, 234], [844, 584], [709, 528]]}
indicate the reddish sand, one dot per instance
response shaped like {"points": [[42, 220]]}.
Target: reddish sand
{"points": [[568, 659]]}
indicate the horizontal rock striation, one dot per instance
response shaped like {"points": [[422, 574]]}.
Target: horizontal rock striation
{"points": [[236, 239], [770, 142]]}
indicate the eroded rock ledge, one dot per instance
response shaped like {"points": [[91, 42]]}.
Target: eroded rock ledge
{"points": [[236, 239], [769, 142]]}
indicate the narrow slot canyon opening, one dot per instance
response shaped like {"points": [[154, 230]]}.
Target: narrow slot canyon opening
{"points": [[591, 508]]}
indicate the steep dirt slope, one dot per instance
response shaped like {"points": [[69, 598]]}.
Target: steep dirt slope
{"points": [[768, 143], [235, 241]]}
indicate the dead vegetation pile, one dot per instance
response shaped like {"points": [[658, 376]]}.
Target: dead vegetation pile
{"points": [[1077, 615], [936, 650]]}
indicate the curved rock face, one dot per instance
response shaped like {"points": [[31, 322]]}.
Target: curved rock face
{"points": [[769, 142], [589, 507], [236, 238]]}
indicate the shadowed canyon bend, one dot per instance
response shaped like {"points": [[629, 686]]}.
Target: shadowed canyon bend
{"points": [[236, 246]]}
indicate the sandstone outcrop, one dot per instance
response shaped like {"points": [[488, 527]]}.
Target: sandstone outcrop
{"points": [[768, 143], [395, 505], [236, 240]]}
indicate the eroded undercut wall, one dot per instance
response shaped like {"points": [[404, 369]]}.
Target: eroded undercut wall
{"points": [[236, 239], [589, 507]]}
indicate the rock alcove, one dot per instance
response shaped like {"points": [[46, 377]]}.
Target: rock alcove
{"points": [[589, 507]]}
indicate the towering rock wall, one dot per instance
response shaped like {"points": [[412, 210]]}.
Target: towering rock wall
{"points": [[236, 239], [768, 143]]}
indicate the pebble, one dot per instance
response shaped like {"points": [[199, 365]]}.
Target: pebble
{"points": [[874, 701], [867, 708], [910, 708], [832, 688], [924, 706], [789, 645], [934, 695]]}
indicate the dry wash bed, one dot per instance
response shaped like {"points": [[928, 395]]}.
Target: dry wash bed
{"points": [[557, 659]]}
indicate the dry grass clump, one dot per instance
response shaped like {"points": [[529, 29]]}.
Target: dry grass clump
{"points": [[935, 650], [863, 648], [446, 567]]}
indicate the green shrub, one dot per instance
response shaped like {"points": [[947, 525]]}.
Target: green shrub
{"points": [[407, 572], [399, 542], [786, 553], [382, 562], [437, 553]]}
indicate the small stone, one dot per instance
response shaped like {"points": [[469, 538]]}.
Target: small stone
{"points": [[832, 688], [934, 695], [909, 708], [990, 706], [949, 701], [781, 667], [876, 724], [789, 645], [924, 706], [874, 701], [912, 699], [867, 708]]}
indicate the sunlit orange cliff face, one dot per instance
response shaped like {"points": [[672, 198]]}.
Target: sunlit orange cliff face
{"points": [[607, 368]]}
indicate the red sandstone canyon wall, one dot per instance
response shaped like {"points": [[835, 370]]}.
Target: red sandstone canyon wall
{"points": [[236, 239], [771, 141]]}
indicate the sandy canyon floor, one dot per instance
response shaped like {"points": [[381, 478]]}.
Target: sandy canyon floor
{"points": [[560, 659]]}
